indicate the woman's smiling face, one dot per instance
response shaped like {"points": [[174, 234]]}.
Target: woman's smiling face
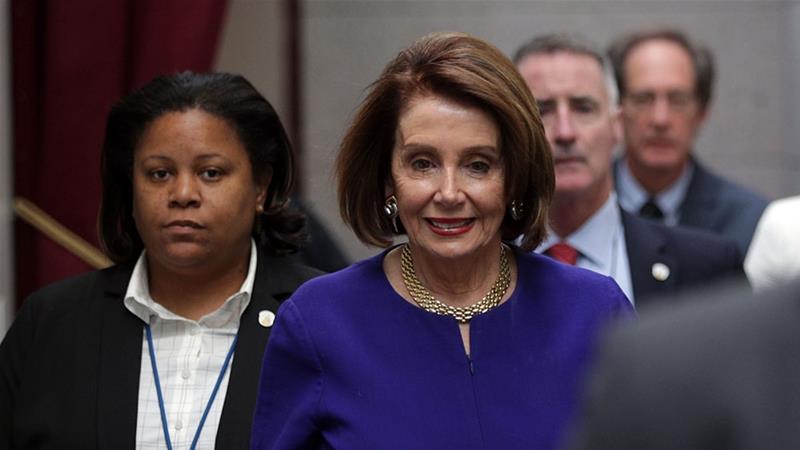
{"points": [[448, 176]]}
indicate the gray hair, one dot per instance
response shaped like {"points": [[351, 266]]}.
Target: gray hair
{"points": [[549, 44]]}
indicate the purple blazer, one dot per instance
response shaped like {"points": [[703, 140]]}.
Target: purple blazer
{"points": [[351, 365]]}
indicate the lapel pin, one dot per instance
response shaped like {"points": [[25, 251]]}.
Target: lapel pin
{"points": [[660, 271], [266, 318]]}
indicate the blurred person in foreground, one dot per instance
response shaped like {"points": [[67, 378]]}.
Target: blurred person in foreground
{"points": [[721, 373], [774, 255], [577, 101], [455, 339], [163, 349], [665, 83]]}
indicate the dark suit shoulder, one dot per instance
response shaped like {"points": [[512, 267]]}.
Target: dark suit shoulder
{"points": [[694, 257], [705, 257], [689, 244], [722, 206], [48, 357], [283, 274], [729, 193], [710, 244], [64, 295], [294, 270]]}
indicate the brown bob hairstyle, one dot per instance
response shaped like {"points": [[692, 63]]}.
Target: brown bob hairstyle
{"points": [[463, 69], [227, 96]]}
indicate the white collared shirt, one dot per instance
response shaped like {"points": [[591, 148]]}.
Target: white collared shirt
{"points": [[189, 355], [600, 242], [632, 196]]}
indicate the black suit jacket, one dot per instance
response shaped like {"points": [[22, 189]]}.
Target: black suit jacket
{"points": [[722, 373], [70, 363], [693, 257], [717, 205]]}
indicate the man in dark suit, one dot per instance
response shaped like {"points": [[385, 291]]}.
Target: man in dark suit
{"points": [[576, 99], [721, 373], [665, 83]]}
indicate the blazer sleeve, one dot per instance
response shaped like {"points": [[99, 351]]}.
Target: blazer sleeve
{"points": [[16, 345], [290, 387]]}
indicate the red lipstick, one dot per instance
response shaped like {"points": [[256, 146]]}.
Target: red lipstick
{"points": [[450, 226]]}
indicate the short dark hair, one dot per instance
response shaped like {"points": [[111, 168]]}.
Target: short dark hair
{"points": [[701, 56], [467, 70], [227, 96]]}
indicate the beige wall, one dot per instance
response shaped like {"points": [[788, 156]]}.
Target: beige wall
{"points": [[6, 217], [750, 136], [251, 44]]}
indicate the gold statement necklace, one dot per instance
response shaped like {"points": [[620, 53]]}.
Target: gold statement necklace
{"points": [[463, 314]]}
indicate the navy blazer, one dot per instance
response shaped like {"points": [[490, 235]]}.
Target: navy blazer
{"points": [[720, 206], [692, 256], [70, 363]]}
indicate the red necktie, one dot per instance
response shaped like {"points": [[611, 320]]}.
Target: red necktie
{"points": [[563, 252]]}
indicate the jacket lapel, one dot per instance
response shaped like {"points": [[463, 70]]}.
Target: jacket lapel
{"points": [[648, 256], [120, 363], [275, 281], [699, 208]]}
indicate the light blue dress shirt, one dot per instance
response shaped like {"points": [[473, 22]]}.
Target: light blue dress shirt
{"points": [[600, 242], [632, 196]]}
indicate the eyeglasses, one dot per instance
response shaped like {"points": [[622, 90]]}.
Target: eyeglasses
{"points": [[645, 101]]}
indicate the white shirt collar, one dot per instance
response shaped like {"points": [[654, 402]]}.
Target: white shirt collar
{"points": [[139, 302], [632, 195]]}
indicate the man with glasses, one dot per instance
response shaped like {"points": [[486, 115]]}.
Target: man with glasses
{"points": [[665, 83], [576, 96]]}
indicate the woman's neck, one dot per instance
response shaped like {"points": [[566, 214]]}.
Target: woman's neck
{"points": [[193, 294]]}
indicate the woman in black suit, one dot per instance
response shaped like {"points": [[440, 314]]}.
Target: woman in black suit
{"points": [[164, 349]]}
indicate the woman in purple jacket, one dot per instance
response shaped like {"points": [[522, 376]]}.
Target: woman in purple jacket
{"points": [[454, 339]]}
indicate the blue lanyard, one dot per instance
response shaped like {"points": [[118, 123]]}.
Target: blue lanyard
{"points": [[161, 396]]}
